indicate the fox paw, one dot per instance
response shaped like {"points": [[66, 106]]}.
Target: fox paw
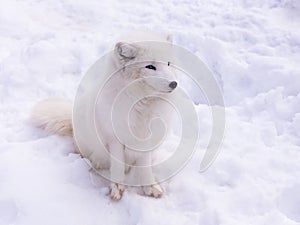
{"points": [[153, 190], [116, 191]]}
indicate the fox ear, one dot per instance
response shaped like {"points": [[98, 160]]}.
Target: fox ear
{"points": [[126, 51], [170, 38]]}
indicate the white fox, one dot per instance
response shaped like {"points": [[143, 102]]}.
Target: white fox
{"points": [[55, 114]]}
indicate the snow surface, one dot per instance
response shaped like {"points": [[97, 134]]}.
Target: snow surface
{"points": [[253, 48]]}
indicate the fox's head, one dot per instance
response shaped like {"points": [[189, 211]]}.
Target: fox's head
{"points": [[133, 58]]}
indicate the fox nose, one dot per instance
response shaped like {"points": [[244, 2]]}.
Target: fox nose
{"points": [[173, 84]]}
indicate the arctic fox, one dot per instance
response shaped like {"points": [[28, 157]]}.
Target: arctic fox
{"points": [[55, 114]]}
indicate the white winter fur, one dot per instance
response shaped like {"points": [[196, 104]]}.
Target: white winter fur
{"points": [[54, 115]]}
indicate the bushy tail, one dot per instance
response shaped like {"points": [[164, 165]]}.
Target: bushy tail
{"points": [[53, 115]]}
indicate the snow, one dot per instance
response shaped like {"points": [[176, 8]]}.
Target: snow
{"points": [[253, 48]]}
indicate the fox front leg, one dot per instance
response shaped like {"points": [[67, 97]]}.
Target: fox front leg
{"points": [[146, 176], [117, 171]]}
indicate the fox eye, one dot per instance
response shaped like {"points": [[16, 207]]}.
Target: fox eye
{"points": [[151, 67]]}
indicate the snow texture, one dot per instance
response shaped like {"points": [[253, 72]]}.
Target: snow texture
{"points": [[252, 47]]}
